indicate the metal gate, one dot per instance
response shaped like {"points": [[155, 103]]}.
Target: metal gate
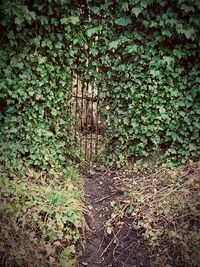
{"points": [[85, 117]]}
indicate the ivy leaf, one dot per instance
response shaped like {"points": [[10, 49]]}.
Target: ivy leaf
{"points": [[54, 21], [64, 21], [95, 9], [43, 20], [113, 44], [36, 41], [154, 72], [188, 33], [31, 93], [136, 11], [32, 15], [123, 21], [74, 19], [168, 60], [20, 65], [94, 51], [42, 60], [18, 21], [39, 6], [58, 45], [63, 2], [54, 112], [134, 124], [178, 53], [79, 40], [125, 6], [131, 48], [92, 31], [162, 109], [187, 8]]}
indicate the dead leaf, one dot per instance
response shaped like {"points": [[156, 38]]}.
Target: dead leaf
{"points": [[109, 229], [57, 243], [90, 207]]}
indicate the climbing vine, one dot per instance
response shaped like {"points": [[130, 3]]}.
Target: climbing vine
{"points": [[143, 55], [147, 53], [36, 76]]}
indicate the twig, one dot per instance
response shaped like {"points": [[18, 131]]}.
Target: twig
{"points": [[110, 243], [98, 211], [152, 174], [100, 244], [130, 250], [103, 198], [114, 251]]}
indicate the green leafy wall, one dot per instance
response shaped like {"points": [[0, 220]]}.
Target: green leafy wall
{"points": [[35, 75], [147, 56], [143, 56]]}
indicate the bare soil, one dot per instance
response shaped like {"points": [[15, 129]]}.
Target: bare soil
{"points": [[123, 247]]}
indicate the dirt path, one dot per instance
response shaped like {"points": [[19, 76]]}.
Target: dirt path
{"points": [[121, 248]]}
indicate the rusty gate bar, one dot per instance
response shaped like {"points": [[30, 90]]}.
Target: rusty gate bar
{"points": [[91, 125], [81, 114], [71, 102], [86, 119], [76, 114], [96, 128]]}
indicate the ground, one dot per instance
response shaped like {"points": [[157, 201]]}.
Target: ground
{"points": [[127, 207], [123, 247]]}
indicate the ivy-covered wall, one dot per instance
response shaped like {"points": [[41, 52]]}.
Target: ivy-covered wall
{"points": [[149, 57], [36, 81], [143, 55]]}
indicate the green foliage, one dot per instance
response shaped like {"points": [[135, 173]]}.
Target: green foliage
{"points": [[35, 76], [40, 204], [46, 210], [143, 57], [149, 81]]}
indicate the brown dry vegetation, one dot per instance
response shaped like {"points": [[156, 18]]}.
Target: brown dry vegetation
{"points": [[163, 206]]}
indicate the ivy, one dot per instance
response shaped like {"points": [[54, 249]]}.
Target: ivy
{"points": [[36, 78], [145, 82], [142, 55]]}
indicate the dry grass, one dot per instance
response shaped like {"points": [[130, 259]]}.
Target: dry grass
{"points": [[16, 246], [41, 218], [164, 205]]}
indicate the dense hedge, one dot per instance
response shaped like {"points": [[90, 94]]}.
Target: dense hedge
{"points": [[148, 53], [36, 80], [143, 55]]}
